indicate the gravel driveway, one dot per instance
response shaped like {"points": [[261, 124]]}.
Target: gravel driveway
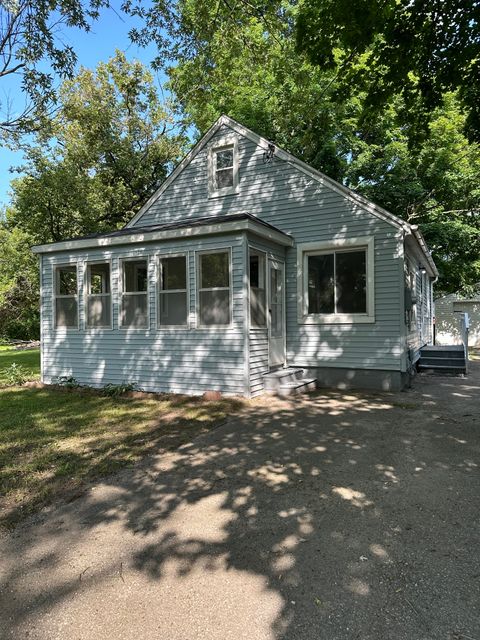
{"points": [[338, 516]]}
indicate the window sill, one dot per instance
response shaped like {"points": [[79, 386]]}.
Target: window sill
{"points": [[230, 191], [338, 318]]}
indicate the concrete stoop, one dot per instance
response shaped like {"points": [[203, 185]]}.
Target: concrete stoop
{"points": [[288, 381]]}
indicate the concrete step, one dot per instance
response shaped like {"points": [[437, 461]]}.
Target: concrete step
{"points": [[438, 352], [441, 368], [274, 379], [447, 361], [305, 385]]}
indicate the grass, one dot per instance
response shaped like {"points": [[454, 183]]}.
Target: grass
{"points": [[29, 359], [54, 442]]}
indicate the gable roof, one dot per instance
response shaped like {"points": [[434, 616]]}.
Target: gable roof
{"points": [[320, 177]]}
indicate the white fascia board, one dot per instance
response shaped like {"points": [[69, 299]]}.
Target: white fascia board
{"points": [[415, 240], [169, 234]]}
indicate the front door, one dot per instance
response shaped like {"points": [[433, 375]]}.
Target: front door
{"points": [[276, 307]]}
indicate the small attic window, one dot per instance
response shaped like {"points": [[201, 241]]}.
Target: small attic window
{"points": [[223, 168]]}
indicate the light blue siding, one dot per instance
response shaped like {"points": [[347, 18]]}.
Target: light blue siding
{"points": [[284, 196], [182, 360]]}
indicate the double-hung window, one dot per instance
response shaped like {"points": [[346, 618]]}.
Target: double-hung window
{"points": [[214, 288], [223, 168], [337, 282], [134, 294], [66, 296], [98, 295], [173, 296], [258, 316]]}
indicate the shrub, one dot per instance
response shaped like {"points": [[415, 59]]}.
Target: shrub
{"points": [[69, 382], [15, 374], [116, 390]]}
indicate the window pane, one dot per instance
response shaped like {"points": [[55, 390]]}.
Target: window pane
{"points": [[134, 311], [214, 270], [320, 284], [99, 311], [135, 275], [351, 282], [173, 308], [254, 271], [224, 159], [99, 278], [66, 312], [214, 307], [174, 273], [224, 178], [67, 281], [258, 316]]}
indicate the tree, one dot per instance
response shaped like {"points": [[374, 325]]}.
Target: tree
{"points": [[31, 47], [19, 286], [107, 149], [247, 64], [417, 48]]}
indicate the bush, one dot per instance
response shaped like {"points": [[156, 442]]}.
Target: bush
{"points": [[15, 374], [116, 390], [69, 382]]}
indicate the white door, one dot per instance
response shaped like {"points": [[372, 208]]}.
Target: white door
{"points": [[276, 308]]}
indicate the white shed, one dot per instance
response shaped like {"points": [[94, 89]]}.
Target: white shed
{"points": [[447, 319]]}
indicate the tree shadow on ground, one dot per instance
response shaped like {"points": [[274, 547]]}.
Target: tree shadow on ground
{"points": [[345, 515]]}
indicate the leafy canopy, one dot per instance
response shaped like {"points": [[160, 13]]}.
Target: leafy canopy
{"points": [[101, 157], [417, 48]]}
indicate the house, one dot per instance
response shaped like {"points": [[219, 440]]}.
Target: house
{"points": [[245, 265], [447, 319]]}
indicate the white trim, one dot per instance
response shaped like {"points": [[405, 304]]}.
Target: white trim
{"points": [[86, 264], [42, 317], [312, 248], [121, 292], [227, 142], [257, 228], [278, 265], [60, 265], [228, 250], [257, 252], [159, 256], [246, 318]]}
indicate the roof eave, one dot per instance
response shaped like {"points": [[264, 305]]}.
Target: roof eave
{"points": [[257, 228]]}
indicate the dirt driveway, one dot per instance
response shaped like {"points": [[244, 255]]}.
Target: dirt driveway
{"points": [[340, 516]]}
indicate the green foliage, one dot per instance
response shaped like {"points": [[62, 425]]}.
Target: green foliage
{"points": [[15, 375], [416, 48], [29, 38], [27, 359], [101, 157], [69, 382], [19, 285], [117, 390]]}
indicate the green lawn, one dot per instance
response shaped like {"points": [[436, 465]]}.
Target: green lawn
{"points": [[53, 442], [29, 359]]}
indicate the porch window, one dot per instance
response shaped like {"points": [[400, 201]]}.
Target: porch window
{"points": [[99, 295], [337, 281], [134, 294], [214, 288], [258, 316], [66, 296], [173, 306]]}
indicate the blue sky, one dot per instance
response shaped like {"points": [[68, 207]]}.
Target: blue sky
{"points": [[109, 33]]}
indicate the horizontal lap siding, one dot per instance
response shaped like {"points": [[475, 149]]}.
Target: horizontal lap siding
{"points": [[295, 203], [179, 360], [258, 359]]}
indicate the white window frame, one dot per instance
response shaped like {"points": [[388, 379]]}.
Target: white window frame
{"points": [[321, 248], [228, 142], [56, 267], [121, 292], [86, 294], [263, 254], [158, 265], [228, 251]]}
